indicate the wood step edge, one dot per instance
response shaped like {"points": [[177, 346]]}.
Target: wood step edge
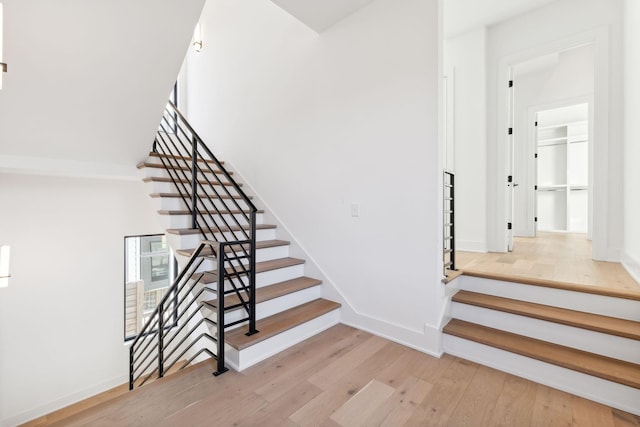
{"points": [[597, 290], [209, 277], [152, 154], [142, 165], [189, 231], [607, 368], [186, 181], [280, 322], [224, 212], [276, 290], [201, 196], [579, 319], [260, 244]]}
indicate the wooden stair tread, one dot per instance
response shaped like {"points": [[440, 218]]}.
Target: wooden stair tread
{"points": [[185, 181], [204, 197], [280, 322], [186, 158], [224, 212], [608, 325], [260, 244], [270, 292], [607, 368], [188, 231], [209, 277], [597, 290], [143, 165]]}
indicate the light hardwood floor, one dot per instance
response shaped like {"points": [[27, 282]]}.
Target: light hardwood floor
{"points": [[347, 377], [564, 257]]}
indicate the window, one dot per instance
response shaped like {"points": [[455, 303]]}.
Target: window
{"points": [[149, 272]]}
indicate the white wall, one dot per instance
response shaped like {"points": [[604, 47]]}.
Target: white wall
{"points": [[61, 318], [88, 80], [464, 59], [570, 80], [315, 123], [631, 137], [543, 31]]}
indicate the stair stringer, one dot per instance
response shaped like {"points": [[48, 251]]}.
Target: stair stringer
{"points": [[428, 340]]}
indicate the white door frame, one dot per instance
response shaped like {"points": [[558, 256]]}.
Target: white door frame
{"points": [[601, 206]]}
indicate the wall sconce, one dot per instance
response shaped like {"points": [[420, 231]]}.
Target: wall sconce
{"points": [[4, 266], [197, 38], [3, 66]]}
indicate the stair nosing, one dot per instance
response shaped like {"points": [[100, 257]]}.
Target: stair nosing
{"points": [[543, 350], [261, 267], [231, 336], [191, 231], [186, 181], [223, 212], [547, 283], [467, 297], [260, 244], [307, 282], [202, 196], [143, 165]]}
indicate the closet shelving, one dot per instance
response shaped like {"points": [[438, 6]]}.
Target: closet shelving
{"points": [[563, 184]]}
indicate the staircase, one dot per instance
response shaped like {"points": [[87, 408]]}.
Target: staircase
{"points": [[583, 341], [218, 229]]}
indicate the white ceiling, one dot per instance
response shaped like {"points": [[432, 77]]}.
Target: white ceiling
{"points": [[320, 14], [461, 16]]}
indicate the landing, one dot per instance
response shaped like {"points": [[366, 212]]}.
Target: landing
{"points": [[562, 257]]}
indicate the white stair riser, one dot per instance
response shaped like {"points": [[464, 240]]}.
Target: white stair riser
{"points": [[267, 348], [593, 388], [590, 303], [274, 306], [184, 221], [267, 278], [176, 203], [265, 254], [591, 341], [190, 241], [169, 187], [161, 173]]}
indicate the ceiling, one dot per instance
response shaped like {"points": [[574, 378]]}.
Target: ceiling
{"points": [[460, 16], [320, 14]]}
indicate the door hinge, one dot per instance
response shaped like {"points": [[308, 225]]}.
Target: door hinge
{"points": [[510, 178], [508, 226], [535, 156], [536, 124], [510, 83], [535, 219], [510, 131], [535, 187]]}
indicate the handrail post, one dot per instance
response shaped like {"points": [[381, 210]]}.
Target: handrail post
{"points": [[453, 223], [161, 340], [252, 277], [221, 368], [194, 183], [131, 367]]}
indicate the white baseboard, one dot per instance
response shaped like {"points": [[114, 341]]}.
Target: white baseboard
{"points": [[13, 420], [632, 266], [32, 165], [471, 246]]}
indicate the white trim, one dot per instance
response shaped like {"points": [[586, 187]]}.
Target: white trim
{"points": [[45, 166], [471, 246], [64, 401], [631, 265]]}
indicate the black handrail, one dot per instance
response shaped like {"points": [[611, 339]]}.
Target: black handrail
{"points": [[449, 236], [167, 343], [226, 219]]}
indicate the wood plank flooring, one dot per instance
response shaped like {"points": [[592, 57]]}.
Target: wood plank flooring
{"points": [[564, 257], [346, 377]]}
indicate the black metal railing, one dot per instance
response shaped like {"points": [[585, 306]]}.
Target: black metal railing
{"points": [[175, 334], [225, 218], [449, 242]]}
